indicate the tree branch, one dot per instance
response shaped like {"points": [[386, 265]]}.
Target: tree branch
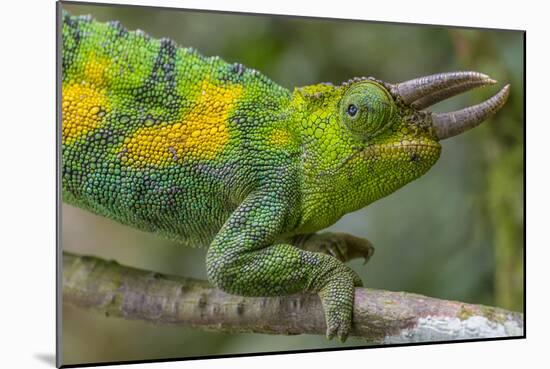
{"points": [[379, 316]]}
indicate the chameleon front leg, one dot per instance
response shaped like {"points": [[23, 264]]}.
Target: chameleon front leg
{"points": [[244, 260], [343, 246]]}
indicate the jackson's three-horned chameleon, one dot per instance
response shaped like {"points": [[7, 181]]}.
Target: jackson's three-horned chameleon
{"points": [[214, 154]]}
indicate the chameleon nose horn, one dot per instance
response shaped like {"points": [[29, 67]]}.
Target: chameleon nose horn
{"points": [[425, 91]]}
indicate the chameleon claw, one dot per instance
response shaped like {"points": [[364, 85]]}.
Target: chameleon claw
{"points": [[331, 251], [341, 332], [369, 254]]}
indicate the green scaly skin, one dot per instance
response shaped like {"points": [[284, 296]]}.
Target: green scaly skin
{"points": [[215, 154]]}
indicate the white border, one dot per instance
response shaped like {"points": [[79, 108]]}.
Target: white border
{"points": [[28, 180]]}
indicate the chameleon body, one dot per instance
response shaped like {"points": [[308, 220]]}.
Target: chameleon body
{"points": [[215, 154]]}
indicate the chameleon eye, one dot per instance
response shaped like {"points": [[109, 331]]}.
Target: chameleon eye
{"points": [[352, 110], [366, 108]]}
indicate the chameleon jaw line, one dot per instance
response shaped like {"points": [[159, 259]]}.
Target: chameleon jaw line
{"points": [[423, 92]]}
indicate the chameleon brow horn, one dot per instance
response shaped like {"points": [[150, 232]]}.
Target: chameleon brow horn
{"points": [[426, 91]]}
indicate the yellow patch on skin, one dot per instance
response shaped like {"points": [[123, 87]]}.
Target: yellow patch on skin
{"points": [[83, 106], [95, 70], [200, 134], [279, 137]]}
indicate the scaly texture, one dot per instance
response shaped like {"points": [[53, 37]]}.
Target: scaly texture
{"points": [[214, 154]]}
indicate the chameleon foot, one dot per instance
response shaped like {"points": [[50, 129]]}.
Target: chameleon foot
{"points": [[342, 246], [338, 305]]}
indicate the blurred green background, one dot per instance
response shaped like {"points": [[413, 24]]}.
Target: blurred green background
{"points": [[456, 233]]}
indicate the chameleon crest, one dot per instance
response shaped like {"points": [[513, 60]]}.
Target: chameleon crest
{"points": [[217, 155]]}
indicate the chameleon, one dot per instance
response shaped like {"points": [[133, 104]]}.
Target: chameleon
{"points": [[215, 154]]}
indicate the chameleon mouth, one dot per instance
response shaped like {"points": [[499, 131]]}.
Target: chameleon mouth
{"points": [[406, 151], [412, 151], [426, 91], [403, 146]]}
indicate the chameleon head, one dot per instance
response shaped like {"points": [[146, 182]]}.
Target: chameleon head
{"points": [[367, 138]]}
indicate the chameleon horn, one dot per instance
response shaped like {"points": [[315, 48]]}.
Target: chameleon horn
{"points": [[451, 124], [431, 89], [448, 92]]}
